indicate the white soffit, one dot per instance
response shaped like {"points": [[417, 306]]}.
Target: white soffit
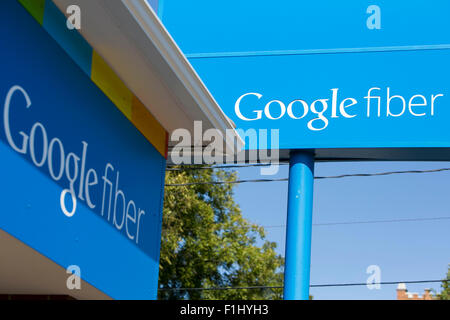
{"points": [[133, 41], [24, 271]]}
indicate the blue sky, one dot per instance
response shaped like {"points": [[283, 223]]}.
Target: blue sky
{"points": [[342, 253]]}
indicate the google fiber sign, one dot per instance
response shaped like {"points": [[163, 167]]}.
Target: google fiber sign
{"points": [[351, 80]]}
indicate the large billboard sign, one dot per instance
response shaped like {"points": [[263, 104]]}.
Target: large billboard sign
{"points": [[327, 74], [79, 183]]}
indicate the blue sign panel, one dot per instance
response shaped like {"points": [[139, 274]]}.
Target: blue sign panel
{"points": [[79, 183], [326, 74], [256, 26]]}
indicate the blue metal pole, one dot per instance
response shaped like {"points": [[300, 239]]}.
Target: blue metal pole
{"points": [[299, 225]]}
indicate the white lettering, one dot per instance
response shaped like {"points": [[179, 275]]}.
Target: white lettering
{"points": [[237, 107]]}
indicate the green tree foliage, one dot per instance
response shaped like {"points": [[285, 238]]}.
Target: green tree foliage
{"points": [[207, 243], [445, 293]]}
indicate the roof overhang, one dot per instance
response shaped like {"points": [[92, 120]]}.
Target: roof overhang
{"points": [[24, 271], [132, 40]]}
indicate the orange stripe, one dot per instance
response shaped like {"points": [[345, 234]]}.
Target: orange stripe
{"points": [[149, 127]]}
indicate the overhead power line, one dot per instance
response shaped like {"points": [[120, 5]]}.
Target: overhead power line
{"points": [[224, 182], [312, 286], [368, 222], [178, 168], [316, 178]]}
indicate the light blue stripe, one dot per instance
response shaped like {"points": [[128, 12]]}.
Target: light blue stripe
{"points": [[153, 4], [55, 23], [316, 51], [160, 9]]}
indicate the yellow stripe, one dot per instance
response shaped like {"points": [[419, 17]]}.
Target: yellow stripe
{"points": [[111, 85], [36, 8], [149, 127], [114, 88]]}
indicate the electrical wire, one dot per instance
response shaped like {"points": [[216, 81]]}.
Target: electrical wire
{"points": [[312, 286], [316, 178], [177, 168], [223, 182], [367, 222]]}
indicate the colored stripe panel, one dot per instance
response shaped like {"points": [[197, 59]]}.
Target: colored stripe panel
{"points": [[149, 126], [55, 23], [111, 85], [153, 4], [36, 8], [71, 40], [160, 9]]}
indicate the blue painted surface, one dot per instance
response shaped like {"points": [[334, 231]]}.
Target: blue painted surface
{"points": [[299, 226], [74, 111], [71, 40], [259, 25], [311, 77], [301, 50], [161, 9]]}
